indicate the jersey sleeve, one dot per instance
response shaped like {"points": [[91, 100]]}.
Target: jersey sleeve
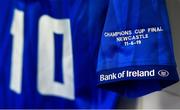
{"points": [[136, 53]]}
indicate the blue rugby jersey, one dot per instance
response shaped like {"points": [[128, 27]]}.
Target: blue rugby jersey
{"points": [[53, 53], [136, 55]]}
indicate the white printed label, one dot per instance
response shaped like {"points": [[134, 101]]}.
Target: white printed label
{"points": [[133, 37]]}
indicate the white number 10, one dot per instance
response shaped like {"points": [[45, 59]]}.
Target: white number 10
{"points": [[46, 54]]}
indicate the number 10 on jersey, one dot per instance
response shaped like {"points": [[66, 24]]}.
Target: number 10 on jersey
{"points": [[46, 86]]}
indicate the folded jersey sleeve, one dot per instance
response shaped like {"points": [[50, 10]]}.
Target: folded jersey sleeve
{"points": [[136, 53]]}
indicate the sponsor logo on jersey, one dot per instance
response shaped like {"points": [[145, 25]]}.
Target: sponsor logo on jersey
{"points": [[126, 74], [163, 73]]}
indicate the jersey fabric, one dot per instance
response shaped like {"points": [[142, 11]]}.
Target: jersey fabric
{"points": [[136, 55], [86, 28], [54, 52]]}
